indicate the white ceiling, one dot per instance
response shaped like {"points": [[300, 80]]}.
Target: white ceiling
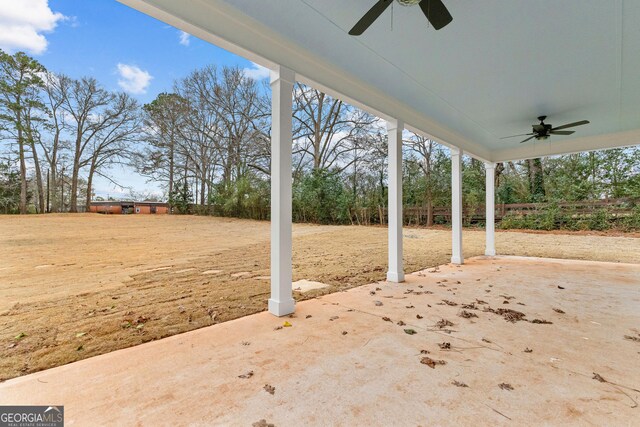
{"points": [[490, 73]]}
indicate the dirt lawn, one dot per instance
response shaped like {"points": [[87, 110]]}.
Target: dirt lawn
{"points": [[74, 286]]}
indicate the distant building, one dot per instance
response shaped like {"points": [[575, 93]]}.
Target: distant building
{"points": [[127, 207]]}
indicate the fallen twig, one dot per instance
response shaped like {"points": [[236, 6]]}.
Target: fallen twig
{"points": [[497, 412]]}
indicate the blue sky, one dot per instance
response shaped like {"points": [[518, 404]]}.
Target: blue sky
{"points": [[100, 34], [122, 48]]}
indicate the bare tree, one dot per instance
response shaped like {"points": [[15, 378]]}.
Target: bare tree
{"points": [[162, 120], [201, 133], [112, 143], [52, 144], [85, 102], [425, 150], [325, 129], [33, 123], [243, 111]]}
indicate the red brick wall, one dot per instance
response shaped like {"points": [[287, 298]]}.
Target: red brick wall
{"points": [[108, 209]]}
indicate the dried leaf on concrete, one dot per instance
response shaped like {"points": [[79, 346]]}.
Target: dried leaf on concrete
{"points": [[467, 314], [541, 322], [269, 389], [247, 375], [459, 384], [443, 323], [432, 363], [508, 314]]}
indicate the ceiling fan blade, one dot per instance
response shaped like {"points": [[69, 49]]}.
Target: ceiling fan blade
{"points": [[436, 12], [513, 136], [531, 137], [369, 17], [570, 125], [561, 132]]}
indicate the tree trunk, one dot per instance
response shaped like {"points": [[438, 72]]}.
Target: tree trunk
{"points": [[39, 183], [203, 186], [73, 196], [171, 163], [23, 175], [52, 186], [89, 185], [536, 180], [429, 197], [62, 190]]}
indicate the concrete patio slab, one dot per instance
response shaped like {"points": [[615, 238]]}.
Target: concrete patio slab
{"points": [[348, 361]]}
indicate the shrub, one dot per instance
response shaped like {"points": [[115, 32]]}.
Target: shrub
{"points": [[632, 222], [600, 220], [320, 197]]}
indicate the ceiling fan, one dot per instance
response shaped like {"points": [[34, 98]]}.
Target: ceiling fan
{"points": [[435, 11], [544, 131]]}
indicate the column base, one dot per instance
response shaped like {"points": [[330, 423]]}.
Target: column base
{"points": [[395, 277], [282, 308], [490, 252], [457, 260]]}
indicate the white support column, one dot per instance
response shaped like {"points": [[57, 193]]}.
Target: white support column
{"points": [[396, 269], [281, 302], [456, 206], [490, 226]]}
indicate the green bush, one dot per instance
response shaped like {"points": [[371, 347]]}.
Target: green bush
{"points": [[600, 220], [513, 221], [550, 219], [181, 198], [248, 197], [321, 197], [632, 222]]}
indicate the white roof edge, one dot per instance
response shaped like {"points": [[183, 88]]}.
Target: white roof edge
{"points": [[365, 97]]}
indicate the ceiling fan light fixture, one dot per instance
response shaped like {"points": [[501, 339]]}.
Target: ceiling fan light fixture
{"points": [[434, 10], [543, 131]]}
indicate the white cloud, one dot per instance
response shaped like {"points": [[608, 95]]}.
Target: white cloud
{"points": [[23, 22], [133, 79], [257, 72], [185, 38]]}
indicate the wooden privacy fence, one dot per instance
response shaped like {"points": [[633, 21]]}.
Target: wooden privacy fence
{"points": [[569, 212], [418, 215]]}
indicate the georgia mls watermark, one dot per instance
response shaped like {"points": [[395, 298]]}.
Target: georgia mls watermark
{"points": [[31, 416]]}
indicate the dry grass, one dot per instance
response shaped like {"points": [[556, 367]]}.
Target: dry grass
{"points": [[74, 286]]}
